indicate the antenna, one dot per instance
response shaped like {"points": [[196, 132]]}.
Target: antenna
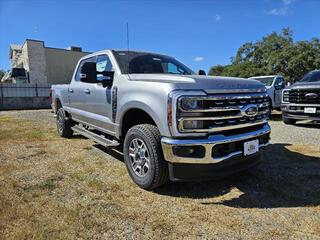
{"points": [[128, 36], [128, 50]]}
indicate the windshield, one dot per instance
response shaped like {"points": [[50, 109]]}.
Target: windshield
{"points": [[138, 62], [311, 77], [265, 80]]}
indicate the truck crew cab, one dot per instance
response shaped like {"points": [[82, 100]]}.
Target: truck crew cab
{"points": [[301, 101], [172, 123]]}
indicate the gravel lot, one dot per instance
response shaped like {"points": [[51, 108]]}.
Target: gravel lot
{"points": [[304, 132], [55, 188]]}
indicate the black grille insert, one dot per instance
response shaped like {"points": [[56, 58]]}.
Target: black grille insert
{"points": [[224, 149], [310, 96]]}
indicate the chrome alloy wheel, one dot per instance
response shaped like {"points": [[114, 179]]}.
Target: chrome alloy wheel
{"points": [[60, 122], [139, 156]]}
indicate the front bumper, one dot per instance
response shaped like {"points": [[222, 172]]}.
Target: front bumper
{"points": [[296, 111], [168, 145]]}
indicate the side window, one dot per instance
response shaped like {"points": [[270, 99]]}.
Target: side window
{"points": [[279, 83], [77, 77], [171, 68], [103, 64], [279, 80]]}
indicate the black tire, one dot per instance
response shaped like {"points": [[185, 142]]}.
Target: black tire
{"points": [[157, 173], [289, 121], [63, 124]]}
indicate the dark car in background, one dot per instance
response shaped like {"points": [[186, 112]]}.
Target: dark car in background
{"points": [[301, 101]]}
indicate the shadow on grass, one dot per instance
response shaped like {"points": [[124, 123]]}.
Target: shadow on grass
{"points": [[114, 152], [283, 179], [78, 136]]}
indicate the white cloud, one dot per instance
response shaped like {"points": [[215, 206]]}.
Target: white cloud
{"points": [[288, 2], [279, 11], [198, 59], [218, 17]]}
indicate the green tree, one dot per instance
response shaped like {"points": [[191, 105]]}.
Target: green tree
{"points": [[276, 53], [2, 72]]}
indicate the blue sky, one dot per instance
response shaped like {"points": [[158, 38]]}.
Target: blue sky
{"points": [[199, 33]]}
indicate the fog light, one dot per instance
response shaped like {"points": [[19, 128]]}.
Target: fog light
{"points": [[189, 151]]}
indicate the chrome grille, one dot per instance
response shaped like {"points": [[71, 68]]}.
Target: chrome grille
{"points": [[222, 112]]}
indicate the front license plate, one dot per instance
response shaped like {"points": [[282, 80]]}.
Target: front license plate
{"points": [[310, 110], [251, 147]]}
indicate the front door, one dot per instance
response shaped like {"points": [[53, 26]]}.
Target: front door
{"points": [[77, 95], [98, 99]]}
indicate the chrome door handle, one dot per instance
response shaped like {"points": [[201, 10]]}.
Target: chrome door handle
{"points": [[70, 90], [87, 91]]}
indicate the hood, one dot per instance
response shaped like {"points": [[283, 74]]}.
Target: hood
{"points": [[210, 84], [305, 85]]}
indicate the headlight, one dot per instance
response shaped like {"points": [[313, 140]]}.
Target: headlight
{"points": [[285, 96], [188, 104], [183, 106]]}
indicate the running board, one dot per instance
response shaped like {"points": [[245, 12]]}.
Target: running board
{"points": [[95, 137]]}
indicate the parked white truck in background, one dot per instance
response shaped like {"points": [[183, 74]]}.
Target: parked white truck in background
{"points": [[274, 84]]}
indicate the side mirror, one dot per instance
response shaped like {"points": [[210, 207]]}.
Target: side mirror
{"points": [[279, 86], [88, 72], [106, 78], [202, 72]]}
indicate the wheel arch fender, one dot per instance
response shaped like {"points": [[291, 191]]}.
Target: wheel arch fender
{"points": [[138, 106]]}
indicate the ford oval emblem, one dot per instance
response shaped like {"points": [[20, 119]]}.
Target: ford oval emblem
{"points": [[311, 96], [249, 110]]}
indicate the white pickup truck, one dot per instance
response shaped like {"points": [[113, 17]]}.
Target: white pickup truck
{"points": [[172, 123], [274, 84]]}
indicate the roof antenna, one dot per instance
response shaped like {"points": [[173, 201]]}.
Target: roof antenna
{"points": [[128, 50]]}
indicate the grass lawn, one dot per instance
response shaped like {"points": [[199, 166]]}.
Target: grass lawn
{"points": [[55, 188]]}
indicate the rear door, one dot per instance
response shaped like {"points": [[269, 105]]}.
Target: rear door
{"points": [[77, 94], [98, 99]]}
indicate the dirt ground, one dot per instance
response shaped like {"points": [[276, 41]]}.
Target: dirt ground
{"points": [[55, 188]]}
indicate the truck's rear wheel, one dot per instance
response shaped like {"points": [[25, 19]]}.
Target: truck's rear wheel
{"points": [[144, 158], [63, 124]]}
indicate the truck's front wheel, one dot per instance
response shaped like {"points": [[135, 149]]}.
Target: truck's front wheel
{"points": [[289, 121], [143, 156]]}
